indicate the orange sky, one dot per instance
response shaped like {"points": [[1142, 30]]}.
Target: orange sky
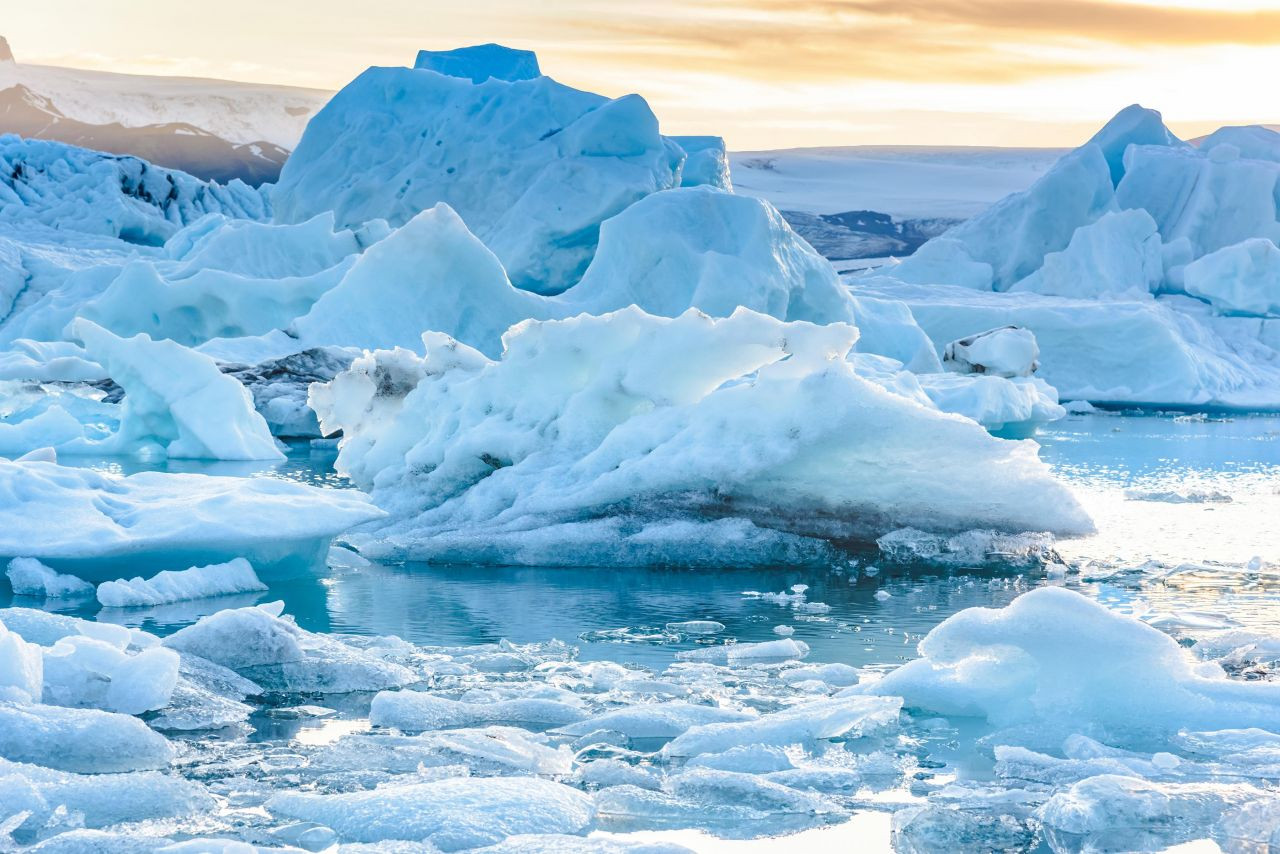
{"points": [[762, 73]]}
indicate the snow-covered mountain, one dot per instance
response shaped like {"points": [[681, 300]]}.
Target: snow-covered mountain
{"points": [[873, 201], [214, 129]]}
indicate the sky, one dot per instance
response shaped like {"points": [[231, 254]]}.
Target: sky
{"points": [[761, 73]]}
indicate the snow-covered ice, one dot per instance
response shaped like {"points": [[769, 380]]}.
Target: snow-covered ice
{"points": [[235, 576], [662, 414], [111, 525]]}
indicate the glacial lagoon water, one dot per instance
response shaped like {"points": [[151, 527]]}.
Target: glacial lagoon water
{"points": [[1188, 509]]}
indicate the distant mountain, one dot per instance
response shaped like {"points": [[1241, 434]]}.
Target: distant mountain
{"points": [[213, 129], [863, 202]]}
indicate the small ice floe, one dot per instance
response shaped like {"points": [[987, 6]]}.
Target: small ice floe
{"points": [[29, 577], [1192, 496], [235, 576], [696, 627]]}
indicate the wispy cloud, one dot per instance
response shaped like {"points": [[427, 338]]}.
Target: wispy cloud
{"points": [[965, 41]]}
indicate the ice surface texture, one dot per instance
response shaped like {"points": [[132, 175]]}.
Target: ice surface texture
{"points": [[641, 421], [111, 525], [1149, 245], [533, 173]]}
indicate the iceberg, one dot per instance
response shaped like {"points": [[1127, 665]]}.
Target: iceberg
{"points": [[178, 400], [236, 576], [1113, 230], [650, 422], [75, 189], [83, 741], [261, 645], [532, 166], [1242, 279], [111, 525], [1047, 664]]}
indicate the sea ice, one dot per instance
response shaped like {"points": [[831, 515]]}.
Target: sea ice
{"points": [[416, 711], [29, 577], [1048, 661], [111, 525], [236, 576], [451, 814]]}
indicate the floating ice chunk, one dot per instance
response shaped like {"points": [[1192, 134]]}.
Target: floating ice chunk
{"points": [[840, 675], [1119, 255], [717, 787], [1134, 125], [883, 596], [277, 655], [971, 548], [76, 189], [432, 273], [751, 759], [485, 750], [705, 248], [1212, 200], [481, 62], [85, 672], [21, 667], [46, 629], [1123, 812], [696, 627], [110, 525], [415, 711], [841, 717], [1186, 362], [451, 814], [737, 654], [220, 579], [657, 720], [1013, 235], [29, 577], [48, 361], [661, 408], [178, 400], [785, 631], [532, 166], [1011, 408], [1254, 142], [1240, 279], [100, 800], [1048, 660], [1008, 351], [707, 163], [241, 638], [86, 741], [602, 773]]}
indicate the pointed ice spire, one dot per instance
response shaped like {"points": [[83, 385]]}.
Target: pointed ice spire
{"points": [[1134, 125]]}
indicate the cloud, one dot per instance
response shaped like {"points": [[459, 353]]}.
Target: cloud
{"points": [[963, 41]]}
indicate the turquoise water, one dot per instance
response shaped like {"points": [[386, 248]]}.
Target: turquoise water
{"points": [[1116, 462]]}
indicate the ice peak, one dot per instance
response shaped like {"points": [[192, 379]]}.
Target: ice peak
{"points": [[480, 62], [6, 55], [1134, 125]]}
